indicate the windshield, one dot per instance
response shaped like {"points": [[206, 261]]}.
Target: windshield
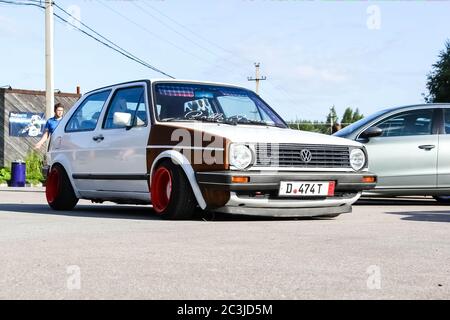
{"points": [[360, 123], [210, 103]]}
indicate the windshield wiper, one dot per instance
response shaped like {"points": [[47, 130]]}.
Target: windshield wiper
{"points": [[175, 119], [210, 120], [255, 122]]}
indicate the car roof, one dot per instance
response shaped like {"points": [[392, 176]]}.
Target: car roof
{"points": [[427, 105], [382, 114], [169, 80]]}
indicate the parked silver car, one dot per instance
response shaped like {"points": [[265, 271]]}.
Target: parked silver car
{"points": [[408, 148]]}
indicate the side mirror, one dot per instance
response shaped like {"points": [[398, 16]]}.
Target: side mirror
{"points": [[122, 119], [371, 132]]}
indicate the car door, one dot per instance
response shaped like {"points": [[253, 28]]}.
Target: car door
{"points": [[405, 155], [443, 173], [120, 151], [77, 138]]}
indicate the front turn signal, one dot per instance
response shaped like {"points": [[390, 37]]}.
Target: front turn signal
{"points": [[369, 179], [239, 179]]}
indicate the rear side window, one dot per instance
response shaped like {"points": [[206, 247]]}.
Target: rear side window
{"points": [[447, 120], [410, 123], [86, 116]]}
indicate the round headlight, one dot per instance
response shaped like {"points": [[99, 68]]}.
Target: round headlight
{"points": [[240, 156], [357, 159]]}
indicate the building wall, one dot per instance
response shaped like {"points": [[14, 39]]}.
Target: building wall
{"points": [[14, 148], [2, 125]]}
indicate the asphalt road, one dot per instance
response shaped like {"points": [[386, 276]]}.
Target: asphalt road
{"points": [[384, 249]]}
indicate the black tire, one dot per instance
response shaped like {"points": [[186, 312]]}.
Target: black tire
{"points": [[442, 199], [59, 191], [181, 202]]}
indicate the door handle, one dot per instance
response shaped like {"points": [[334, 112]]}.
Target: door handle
{"points": [[98, 138], [427, 147]]}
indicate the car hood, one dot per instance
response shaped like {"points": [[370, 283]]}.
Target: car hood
{"points": [[264, 134]]}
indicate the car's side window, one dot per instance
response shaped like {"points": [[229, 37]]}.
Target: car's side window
{"points": [[447, 120], [127, 108], [86, 116], [409, 123]]}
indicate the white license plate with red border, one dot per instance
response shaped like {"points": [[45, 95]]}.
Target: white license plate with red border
{"points": [[306, 188]]}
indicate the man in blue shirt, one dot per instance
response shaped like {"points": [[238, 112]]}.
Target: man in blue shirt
{"points": [[51, 124]]}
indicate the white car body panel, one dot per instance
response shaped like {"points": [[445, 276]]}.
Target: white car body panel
{"points": [[264, 134]]}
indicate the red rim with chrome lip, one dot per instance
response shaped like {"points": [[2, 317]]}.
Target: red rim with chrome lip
{"points": [[161, 189]]}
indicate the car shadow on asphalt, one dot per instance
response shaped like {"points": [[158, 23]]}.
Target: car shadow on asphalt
{"points": [[139, 212], [428, 216], [223, 217], [425, 216], [88, 211], [397, 202]]}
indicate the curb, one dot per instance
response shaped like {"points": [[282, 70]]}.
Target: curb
{"points": [[23, 189]]}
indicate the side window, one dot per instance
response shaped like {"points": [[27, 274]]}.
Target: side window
{"points": [[447, 120], [410, 123], [127, 108], [86, 116]]}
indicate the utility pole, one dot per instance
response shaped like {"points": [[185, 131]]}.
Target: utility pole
{"points": [[49, 81], [331, 119], [257, 78]]}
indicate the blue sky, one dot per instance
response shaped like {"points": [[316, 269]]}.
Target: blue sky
{"points": [[314, 53]]}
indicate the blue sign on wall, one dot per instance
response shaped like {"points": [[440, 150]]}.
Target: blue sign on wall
{"points": [[26, 124]]}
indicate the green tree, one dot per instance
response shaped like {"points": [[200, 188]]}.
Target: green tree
{"points": [[351, 116], [438, 80], [357, 116], [347, 117]]}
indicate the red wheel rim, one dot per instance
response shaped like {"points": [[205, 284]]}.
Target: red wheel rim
{"points": [[161, 189], [52, 185]]}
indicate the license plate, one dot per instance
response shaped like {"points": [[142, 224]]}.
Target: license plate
{"points": [[306, 188]]}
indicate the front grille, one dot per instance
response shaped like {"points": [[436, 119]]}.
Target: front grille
{"points": [[290, 155]]}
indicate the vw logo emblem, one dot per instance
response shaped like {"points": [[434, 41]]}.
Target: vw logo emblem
{"points": [[306, 155]]}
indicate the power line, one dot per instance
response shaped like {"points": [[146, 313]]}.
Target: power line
{"points": [[157, 36], [119, 50], [281, 91], [110, 45], [182, 35], [199, 35], [31, 3], [188, 29]]}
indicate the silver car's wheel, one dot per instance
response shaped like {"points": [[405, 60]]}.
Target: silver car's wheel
{"points": [[442, 199]]}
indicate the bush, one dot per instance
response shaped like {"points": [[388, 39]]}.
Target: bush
{"points": [[34, 163], [5, 175]]}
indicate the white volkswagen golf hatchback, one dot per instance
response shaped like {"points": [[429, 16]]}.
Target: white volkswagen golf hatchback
{"points": [[183, 145]]}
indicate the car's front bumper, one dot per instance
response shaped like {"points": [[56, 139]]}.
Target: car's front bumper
{"points": [[258, 196]]}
